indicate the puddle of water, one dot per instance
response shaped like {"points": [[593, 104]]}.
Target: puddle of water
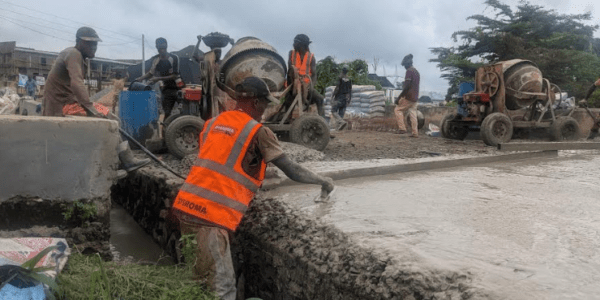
{"points": [[130, 242], [525, 230]]}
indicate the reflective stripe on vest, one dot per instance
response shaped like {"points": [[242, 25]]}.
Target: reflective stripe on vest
{"points": [[217, 189], [304, 65]]}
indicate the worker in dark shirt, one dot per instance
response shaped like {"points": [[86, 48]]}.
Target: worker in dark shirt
{"points": [[165, 70], [407, 101], [342, 95]]}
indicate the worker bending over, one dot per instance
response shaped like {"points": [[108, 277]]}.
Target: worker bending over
{"points": [[65, 90], [234, 151]]}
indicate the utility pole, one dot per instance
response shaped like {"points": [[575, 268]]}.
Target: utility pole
{"points": [[143, 57]]}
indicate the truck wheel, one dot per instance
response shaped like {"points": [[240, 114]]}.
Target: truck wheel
{"points": [[451, 131], [420, 120], [183, 135], [496, 129], [310, 131], [168, 121], [564, 128]]}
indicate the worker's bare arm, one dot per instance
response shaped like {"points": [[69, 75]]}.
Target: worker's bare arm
{"points": [[301, 174]]}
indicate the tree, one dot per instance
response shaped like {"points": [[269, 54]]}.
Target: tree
{"points": [[561, 45], [329, 71]]}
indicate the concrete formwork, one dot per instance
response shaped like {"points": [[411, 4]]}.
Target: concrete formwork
{"points": [[287, 254]]}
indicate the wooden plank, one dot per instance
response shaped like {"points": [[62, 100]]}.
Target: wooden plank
{"points": [[548, 146]]}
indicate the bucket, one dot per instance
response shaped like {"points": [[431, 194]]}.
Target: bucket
{"points": [[138, 86]]}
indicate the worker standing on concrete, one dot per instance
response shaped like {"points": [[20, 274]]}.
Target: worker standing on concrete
{"points": [[165, 71], [65, 87], [31, 87], [234, 151], [407, 101], [304, 61], [340, 99]]}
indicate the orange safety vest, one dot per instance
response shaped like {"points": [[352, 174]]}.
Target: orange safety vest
{"points": [[304, 65], [217, 189]]}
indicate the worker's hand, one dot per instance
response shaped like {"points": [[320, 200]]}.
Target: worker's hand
{"points": [[152, 80], [327, 186], [583, 103]]}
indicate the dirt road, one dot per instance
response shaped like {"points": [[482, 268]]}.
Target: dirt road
{"points": [[360, 145]]}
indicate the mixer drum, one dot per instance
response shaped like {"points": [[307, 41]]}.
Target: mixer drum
{"points": [[521, 76], [250, 56]]}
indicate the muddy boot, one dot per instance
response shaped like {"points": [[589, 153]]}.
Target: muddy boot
{"points": [[128, 161], [342, 124]]}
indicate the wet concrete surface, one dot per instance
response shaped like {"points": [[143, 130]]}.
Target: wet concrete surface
{"points": [[130, 243], [522, 230]]}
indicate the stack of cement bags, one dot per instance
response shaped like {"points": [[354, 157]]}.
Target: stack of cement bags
{"points": [[9, 101], [366, 102]]}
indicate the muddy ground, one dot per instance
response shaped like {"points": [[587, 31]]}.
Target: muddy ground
{"points": [[357, 145], [361, 145]]}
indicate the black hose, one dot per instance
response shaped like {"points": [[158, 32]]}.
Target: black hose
{"points": [[129, 137]]}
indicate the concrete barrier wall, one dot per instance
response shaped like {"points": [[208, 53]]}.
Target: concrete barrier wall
{"points": [[52, 167], [283, 254], [57, 158]]}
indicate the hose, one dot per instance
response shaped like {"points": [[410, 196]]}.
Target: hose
{"points": [[152, 156]]}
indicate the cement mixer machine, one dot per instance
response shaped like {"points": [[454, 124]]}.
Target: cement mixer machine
{"points": [[248, 57], [509, 97]]}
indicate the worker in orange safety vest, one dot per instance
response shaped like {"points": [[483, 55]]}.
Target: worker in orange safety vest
{"points": [[304, 61], [234, 151]]}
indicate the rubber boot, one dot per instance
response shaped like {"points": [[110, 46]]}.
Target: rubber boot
{"points": [[128, 161], [340, 123]]}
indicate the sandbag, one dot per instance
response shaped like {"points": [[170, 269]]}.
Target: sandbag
{"points": [[373, 94], [377, 109]]}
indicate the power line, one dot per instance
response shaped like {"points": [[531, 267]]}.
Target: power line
{"points": [[14, 21], [28, 8], [1, 17], [18, 20], [61, 24]]}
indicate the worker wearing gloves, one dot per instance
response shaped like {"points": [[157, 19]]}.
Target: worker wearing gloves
{"points": [[304, 61], [65, 91], [234, 151]]}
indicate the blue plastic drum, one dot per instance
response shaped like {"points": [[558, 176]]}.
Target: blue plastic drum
{"points": [[138, 111]]}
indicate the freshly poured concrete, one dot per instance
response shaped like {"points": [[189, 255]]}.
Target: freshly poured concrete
{"points": [[522, 230], [57, 158]]}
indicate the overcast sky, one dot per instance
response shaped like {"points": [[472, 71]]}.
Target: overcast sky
{"points": [[346, 30]]}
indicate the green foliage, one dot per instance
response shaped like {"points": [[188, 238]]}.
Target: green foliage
{"points": [[189, 246], [563, 47], [88, 277], [329, 71], [80, 212]]}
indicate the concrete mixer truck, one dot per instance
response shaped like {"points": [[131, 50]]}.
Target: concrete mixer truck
{"points": [[249, 56], [509, 96]]}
